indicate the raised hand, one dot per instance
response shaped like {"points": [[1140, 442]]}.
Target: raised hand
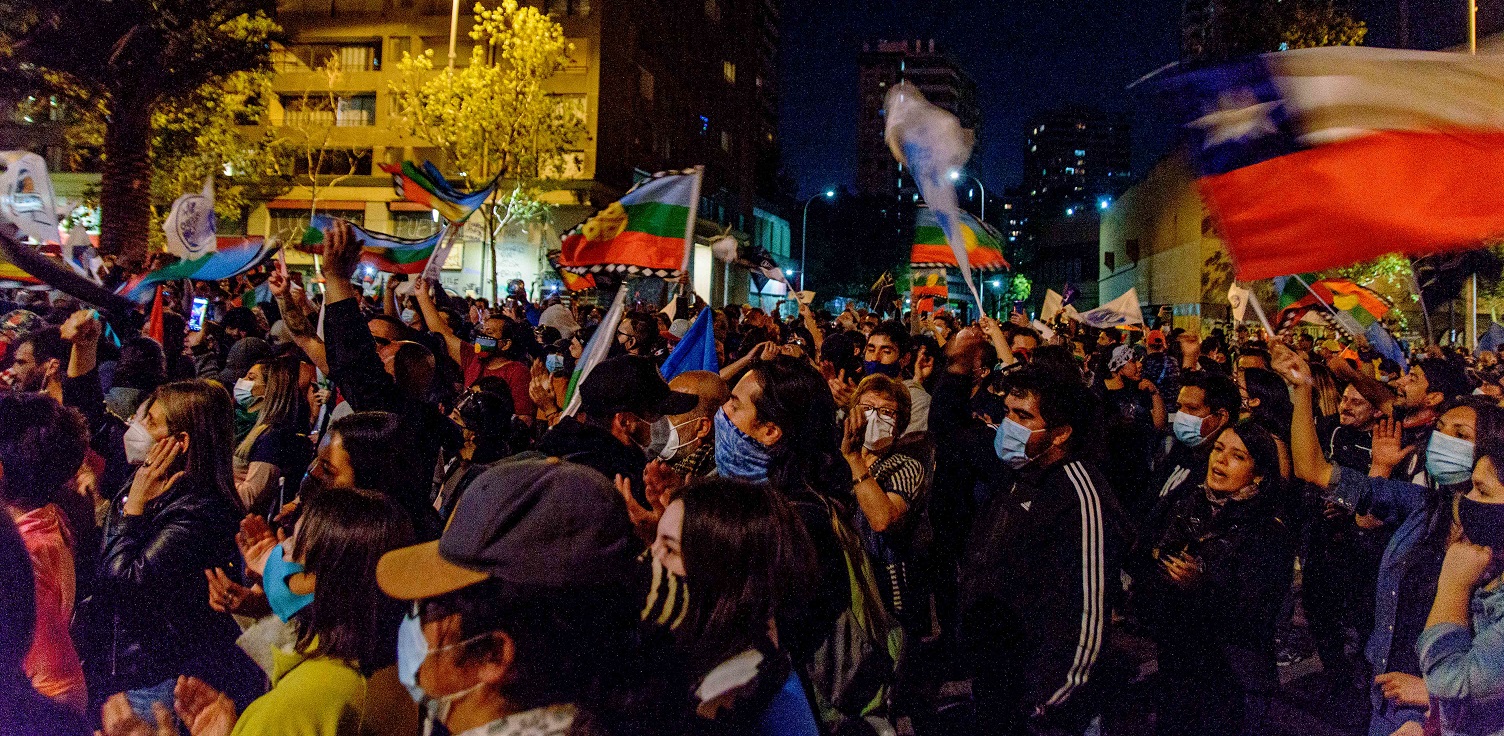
{"points": [[1388, 447], [204, 710], [81, 327], [660, 481], [1290, 366], [644, 520], [341, 252], [228, 596], [842, 388], [155, 477], [118, 719], [853, 434], [1464, 567], [255, 540], [278, 281]]}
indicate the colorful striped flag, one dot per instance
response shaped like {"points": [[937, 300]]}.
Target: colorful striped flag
{"points": [[649, 232], [930, 283], [11, 272], [426, 186], [383, 252], [225, 262], [1348, 306], [984, 245], [596, 350], [572, 281]]}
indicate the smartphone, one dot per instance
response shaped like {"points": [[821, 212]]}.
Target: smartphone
{"points": [[196, 317]]}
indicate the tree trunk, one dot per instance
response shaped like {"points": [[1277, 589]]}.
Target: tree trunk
{"points": [[125, 187]]}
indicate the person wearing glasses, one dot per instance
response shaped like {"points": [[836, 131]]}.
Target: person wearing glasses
{"points": [[890, 481]]}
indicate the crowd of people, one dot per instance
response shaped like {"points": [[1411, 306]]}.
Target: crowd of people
{"points": [[398, 523]]}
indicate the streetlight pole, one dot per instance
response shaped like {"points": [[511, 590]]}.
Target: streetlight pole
{"points": [[1472, 292], [454, 29], [956, 176], [804, 229]]}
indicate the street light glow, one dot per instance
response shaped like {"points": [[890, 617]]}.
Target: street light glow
{"points": [[955, 174], [830, 194], [1070, 211], [788, 272], [997, 283]]}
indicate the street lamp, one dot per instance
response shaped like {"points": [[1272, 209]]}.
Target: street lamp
{"points": [[804, 231], [955, 175]]}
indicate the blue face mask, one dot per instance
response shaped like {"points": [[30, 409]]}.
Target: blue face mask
{"points": [[1188, 429], [553, 362], [412, 650], [1448, 459], [283, 601], [737, 455], [874, 368], [1012, 443]]}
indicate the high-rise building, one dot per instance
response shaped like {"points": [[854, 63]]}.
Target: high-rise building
{"points": [[1076, 158], [927, 67]]}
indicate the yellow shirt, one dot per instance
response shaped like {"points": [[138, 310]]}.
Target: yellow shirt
{"points": [[324, 696]]}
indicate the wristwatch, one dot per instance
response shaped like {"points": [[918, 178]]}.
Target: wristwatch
{"points": [[866, 475]]}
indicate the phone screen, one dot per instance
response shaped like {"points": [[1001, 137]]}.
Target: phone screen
{"points": [[196, 317]]}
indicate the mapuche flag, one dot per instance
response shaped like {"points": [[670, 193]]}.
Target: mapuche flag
{"points": [[930, 284], [1317, 158], [383, 252], [426, 186], [984, 245], [646, 233]]}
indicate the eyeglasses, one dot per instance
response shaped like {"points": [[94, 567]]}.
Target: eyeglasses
{"points": [[882, 411]]}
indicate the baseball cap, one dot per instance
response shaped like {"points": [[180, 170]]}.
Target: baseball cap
{"points": [[541, 523], [631, 383], [1121, 355], [1155, 336]]}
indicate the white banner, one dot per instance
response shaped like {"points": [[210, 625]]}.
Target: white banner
{"points": [[26, 197], [190, 226]]}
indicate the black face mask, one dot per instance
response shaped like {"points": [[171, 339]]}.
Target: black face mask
{"points": [[1483, 523]]}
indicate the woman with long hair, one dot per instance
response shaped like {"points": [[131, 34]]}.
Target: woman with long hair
{"points": [[275, 449], [366, 450], [891, 483], [1420, 515], [338, 678], [485, 420], [176, 518], [1213, 587], [747, 561]]}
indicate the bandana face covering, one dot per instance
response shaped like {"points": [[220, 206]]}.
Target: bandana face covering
{"points": [[737, 454]]}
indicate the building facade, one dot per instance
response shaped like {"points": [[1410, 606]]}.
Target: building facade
{"points": [[927, 67], [1075, 158]]}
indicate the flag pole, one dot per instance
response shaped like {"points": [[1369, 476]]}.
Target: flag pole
{"points": [[689, 225], [1329, 308], [1258, 309]]}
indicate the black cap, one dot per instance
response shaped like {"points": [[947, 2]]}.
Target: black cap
{"points": [[537, 522], [631, 383]]}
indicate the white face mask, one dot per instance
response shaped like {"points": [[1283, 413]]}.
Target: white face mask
{"points": [[879, 431], [137, 442]]}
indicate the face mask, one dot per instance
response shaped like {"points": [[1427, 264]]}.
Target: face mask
{"points": [[1022, 354], [408, 316], [874, 368], [737, 454], [243, 396], [137, 442], [1188, 429], [879, 431], [1448, 459], [412, 650], [664, 435], [1012, 443], [283, 601], [553, 362], [485, 344], [1483, 523]]}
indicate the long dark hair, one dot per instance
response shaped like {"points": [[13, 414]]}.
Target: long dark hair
{"points": [[1274, 410], [342, 534], [747, 559], [796, 399], [1488, 432], [280, 401], [142, 365], [379, 445], [1264, 452]]}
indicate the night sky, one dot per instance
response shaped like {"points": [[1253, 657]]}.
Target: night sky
{"points": [[1025, 55]]}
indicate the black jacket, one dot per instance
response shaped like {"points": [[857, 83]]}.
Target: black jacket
{"points": [[1222, 627], [596, 448], [1038, 585], [356, 370], [149, 617]]}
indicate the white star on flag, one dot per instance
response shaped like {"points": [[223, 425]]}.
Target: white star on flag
{"points": [[1239, 115]]}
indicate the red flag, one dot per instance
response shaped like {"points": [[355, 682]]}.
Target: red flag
{"points": [[154, 324]]}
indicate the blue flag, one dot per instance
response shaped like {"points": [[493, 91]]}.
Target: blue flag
{"points": [[696, 352], [1380, 339], [1493, 339]]}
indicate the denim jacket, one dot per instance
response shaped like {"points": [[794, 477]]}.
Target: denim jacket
{"points": [[1465, 669]]}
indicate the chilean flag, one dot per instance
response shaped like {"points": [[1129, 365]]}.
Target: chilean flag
{"points": [[1317, 158]]}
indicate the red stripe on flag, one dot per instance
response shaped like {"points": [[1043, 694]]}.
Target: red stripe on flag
{"points": [[1395, 191], [629, 248]]}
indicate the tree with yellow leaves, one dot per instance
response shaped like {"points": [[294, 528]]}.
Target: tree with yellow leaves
{"points": [[494, 117]]}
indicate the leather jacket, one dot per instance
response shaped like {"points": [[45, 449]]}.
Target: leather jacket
{"points": [[149, 617]]}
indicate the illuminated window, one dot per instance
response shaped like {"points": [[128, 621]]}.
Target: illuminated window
{"points": [[1080, 152], [645, 84], [728, 70]]}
